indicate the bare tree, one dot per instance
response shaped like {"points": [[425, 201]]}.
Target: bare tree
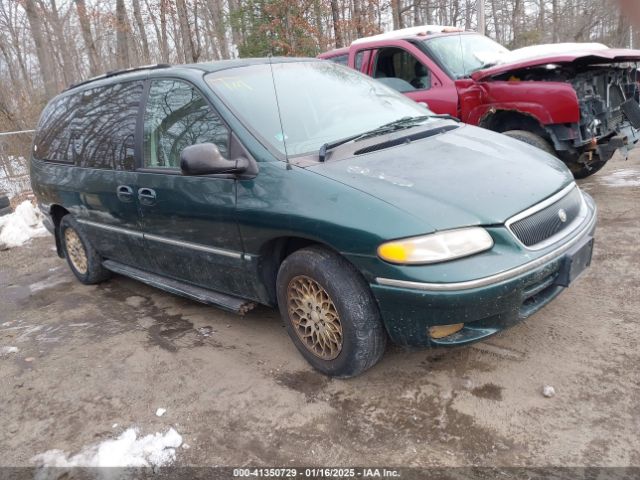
{"points": [[44, 58], [141, 31], [87, 36]]}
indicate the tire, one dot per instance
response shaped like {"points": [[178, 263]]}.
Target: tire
{"points": [[83, 260], [531, 139], [5, 211], [4, 202], [321, 289], [580, 170]]}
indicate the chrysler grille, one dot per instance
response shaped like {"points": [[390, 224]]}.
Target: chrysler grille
{"points": [[550, 221]]}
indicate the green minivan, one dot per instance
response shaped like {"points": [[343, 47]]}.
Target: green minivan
{"points": [[302, 184]]}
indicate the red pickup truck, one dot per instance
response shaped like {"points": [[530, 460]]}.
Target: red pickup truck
{"points": [[577, 101]]}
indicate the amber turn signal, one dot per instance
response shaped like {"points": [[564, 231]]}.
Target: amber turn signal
{"points": [[441, 331]]}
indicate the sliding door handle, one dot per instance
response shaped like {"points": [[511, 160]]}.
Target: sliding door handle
{"points": [[147, 196], [125, 193]]}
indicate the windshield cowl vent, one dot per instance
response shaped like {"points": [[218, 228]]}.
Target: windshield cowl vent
{"points": [[405, 139]]}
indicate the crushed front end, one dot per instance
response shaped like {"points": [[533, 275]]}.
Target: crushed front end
{"points": [[609, 117]]}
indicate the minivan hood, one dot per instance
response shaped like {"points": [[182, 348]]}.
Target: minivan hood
{"points": [[468, 176], [568, 53]]}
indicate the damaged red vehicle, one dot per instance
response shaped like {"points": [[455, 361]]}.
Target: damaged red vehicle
{"points": [[577, 101]]}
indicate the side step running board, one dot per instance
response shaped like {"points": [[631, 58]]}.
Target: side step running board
{"points": [[224, 301]]}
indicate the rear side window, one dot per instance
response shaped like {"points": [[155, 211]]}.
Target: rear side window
{"points": [[340, 59], [53, 139], [104, 136], [94, 128], [177, 116]]}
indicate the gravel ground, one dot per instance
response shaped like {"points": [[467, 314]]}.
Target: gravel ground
{"points": [[239, 393]]}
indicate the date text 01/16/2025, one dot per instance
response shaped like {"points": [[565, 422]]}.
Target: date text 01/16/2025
{"points": [[315, 473]]}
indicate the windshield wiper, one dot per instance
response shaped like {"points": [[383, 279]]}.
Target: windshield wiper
{"points": [[403, 123], [482, 67]]}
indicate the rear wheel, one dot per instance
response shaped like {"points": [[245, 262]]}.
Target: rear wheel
{"points": [[330, 312], [84, 261]]}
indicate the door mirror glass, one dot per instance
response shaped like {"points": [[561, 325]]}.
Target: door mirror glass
{"points": [[206, 159]]}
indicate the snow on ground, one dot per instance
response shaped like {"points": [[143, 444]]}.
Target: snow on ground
{"points": [[7, 350], [19, 227], [622, 178], [128, 450]]}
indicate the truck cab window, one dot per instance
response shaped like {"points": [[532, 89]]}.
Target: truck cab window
{"points": [[401, 70], [340, 59]]}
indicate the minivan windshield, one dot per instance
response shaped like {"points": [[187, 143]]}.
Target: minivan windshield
{"points": [[320, 102], [463, 54]]}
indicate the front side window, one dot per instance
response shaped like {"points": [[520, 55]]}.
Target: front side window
{"points": [[401, 70], [177, 116], [319, 103]]}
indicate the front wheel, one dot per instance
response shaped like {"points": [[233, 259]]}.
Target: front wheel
{"points": [[531, 139], [578, 168], [584, 170], [330, 312]]}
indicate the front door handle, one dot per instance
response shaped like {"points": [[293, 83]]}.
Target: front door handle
{"points": [[147, 196], [125, 193]]}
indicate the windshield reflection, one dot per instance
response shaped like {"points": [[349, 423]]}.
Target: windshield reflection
{"points": [[463, 54], [319, 102]]}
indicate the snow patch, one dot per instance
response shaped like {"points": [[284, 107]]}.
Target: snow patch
{"points": [[622, 178], [160, 412], [8, 350], [19, 227], [47, 283], [543, 50], [127, 450]]}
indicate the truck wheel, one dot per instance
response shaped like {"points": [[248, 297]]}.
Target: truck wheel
{"points": [[84, 261], [581, 170], [531, 139], [330, 312]]}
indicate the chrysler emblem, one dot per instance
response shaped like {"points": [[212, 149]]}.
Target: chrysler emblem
{"points": [[562, 215]]}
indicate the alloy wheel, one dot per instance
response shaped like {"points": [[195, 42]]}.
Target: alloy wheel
{"points": [[315, 317]]}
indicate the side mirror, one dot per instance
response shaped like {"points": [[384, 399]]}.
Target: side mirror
{"points": [[206, 159]]}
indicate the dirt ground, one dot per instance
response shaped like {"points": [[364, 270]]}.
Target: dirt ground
{"points": [[239, 393]]}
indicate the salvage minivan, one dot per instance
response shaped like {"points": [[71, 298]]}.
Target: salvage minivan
{"points": [[306, 185]]}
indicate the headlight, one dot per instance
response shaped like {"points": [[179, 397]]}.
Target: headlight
{"points": [[437, 247]]}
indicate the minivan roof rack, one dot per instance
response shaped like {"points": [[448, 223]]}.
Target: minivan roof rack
{"points": [[114, 73]]}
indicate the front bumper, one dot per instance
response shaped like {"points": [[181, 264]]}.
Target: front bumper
{"points": [[629, 137], [486, 305]]}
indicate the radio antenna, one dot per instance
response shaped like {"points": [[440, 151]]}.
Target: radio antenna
{"points": [[275, 90]]}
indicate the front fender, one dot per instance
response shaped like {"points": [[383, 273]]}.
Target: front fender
{"points": [[548, 102]]}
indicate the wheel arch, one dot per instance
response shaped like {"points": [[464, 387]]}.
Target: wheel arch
{"points": [[504, 120], [274, 252], [57, 212]]}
